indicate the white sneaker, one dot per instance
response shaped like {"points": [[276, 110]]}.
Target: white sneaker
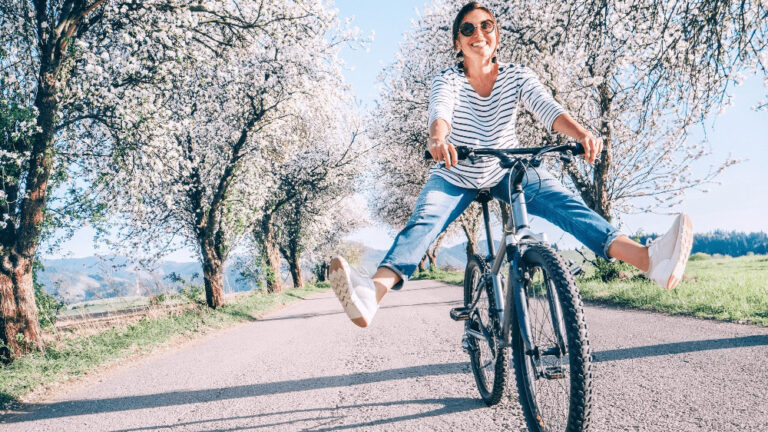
{"points": [[668, 254], [356, 293]]}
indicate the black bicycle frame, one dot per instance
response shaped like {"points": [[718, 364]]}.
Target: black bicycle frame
{"points": [[516, 236]]}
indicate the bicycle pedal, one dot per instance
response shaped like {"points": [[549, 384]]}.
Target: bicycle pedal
{"points": [[459, 314], [553, 372]]}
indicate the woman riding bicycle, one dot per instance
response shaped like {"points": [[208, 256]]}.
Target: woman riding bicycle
{"points": [[475, 104]]}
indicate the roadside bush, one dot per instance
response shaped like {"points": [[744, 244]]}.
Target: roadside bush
{"points": [[700, 256], [608, 271], [157, 299], [193, 293], [48, 306]]}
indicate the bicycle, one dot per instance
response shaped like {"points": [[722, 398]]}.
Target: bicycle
{"points": [[541, 318]]}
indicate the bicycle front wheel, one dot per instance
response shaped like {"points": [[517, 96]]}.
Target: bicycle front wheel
{"points": [[483, 334], [553, 378]]}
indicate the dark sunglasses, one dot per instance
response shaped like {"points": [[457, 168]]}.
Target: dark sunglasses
{"points": [[468, 29]]}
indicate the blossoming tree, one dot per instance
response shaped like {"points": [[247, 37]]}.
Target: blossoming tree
{"points": [[86, 83], [315, 159], [203, 173], [46, 83]]}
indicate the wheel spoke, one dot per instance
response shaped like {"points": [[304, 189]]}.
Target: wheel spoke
{"points": [[487, 356], [550, 388], [552, 397]]}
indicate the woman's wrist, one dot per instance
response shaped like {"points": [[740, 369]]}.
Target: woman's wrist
{"points": [[582, 135]]}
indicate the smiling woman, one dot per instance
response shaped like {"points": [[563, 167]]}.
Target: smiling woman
{"points": [[484, 42], [476, 36], [475, 104]]}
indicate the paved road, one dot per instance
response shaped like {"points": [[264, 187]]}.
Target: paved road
{"points": [[307, 368]]}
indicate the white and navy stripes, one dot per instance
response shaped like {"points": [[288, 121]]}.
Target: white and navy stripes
{"points": [[488, 122]]}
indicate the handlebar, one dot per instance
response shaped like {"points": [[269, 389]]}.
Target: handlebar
{"points": [[466, 152]]}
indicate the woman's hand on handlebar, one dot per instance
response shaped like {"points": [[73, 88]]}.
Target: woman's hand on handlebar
{"points": [[443, 151], [592, 147]]}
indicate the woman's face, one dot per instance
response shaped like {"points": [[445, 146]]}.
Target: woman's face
{"points": [[479, 45]]}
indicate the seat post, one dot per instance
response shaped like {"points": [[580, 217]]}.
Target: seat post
{"points": [[483, 198]]}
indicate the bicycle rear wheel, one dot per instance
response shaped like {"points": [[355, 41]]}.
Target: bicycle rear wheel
{"points": [[483, 334], [554, 379]]}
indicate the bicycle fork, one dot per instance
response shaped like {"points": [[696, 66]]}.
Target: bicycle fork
{"points": [[517, 295]]}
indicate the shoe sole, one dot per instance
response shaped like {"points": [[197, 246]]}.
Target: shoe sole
{"points": [[340, 284], [686, 232]]}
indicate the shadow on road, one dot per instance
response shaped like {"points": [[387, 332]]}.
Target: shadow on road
{"points": [[341, 312], [98, 406], [330, 421], [679, 348]]}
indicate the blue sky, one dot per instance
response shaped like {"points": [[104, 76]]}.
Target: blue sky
{"points": [[740, 203]]}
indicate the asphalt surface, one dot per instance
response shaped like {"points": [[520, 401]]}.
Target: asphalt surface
{"points": [[307, 367]]}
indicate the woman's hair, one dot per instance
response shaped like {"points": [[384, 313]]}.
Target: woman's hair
{"points": [[467, 8]]}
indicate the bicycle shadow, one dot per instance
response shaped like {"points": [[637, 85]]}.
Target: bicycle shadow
{"points": [[678, 348], [128, 403], [341, 312], [331, 422]]}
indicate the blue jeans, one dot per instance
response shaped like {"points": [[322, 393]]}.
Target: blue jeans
{"points": [[441, 202]]}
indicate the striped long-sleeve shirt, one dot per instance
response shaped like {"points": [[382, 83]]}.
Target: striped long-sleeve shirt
{"points": [[488, 122]]}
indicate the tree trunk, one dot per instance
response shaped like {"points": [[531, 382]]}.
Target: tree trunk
{"points": [[213, 270], [423, 264], [595, 191], [321, 271], [271, 254], [471, 233], [19, 325], [295, 266], [432, 251], [504, 210], [471, 250], [432, 258], [20, 328], [603, 164]]}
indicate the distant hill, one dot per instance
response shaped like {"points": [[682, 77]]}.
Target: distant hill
{"points": [[80, 279], [452, 258]]}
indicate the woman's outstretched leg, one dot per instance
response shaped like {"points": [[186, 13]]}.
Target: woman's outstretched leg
{"points": [[625, 249], [665, 259], [439, 203]]}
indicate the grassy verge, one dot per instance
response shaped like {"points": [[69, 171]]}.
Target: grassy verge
{"points": [[455, 278], [728, 289], [70, 355], [722, 288]]}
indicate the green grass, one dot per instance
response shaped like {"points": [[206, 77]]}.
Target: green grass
{"points": [[70, 356], [103, 305], [728, 289], [722, 288], [455, 278]]}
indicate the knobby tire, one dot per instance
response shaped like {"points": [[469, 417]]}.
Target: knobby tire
{"points": [[488, 360], [542, 410]]}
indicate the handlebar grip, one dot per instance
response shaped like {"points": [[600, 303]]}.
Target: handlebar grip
{"points": [[576, 148], [461, 151]]}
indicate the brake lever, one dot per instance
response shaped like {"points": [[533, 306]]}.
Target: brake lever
{"points": [[566, 157]]}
